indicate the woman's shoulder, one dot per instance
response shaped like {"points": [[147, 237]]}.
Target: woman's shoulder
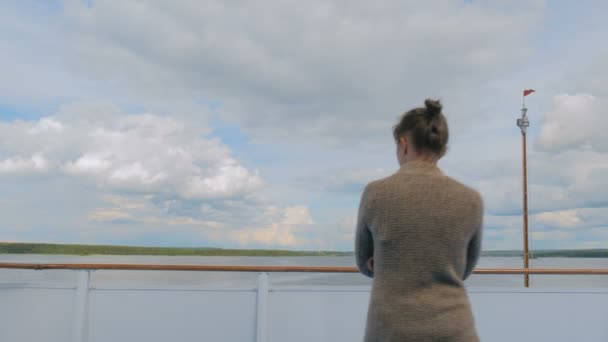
{"points": [[444, 182], [379, 184], [377, 188], [372, 188], [464, 189]]}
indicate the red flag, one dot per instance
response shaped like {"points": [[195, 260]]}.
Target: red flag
{"points": [[528, 92]]}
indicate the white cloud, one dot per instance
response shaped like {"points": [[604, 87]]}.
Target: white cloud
{"points": [[109, 215], [560, 219], [45, 125], [217, 222], [144, 152], [297, 215], [285, 224], [128, 203], [322, 69], [572, 228], [576, 121], [140, 210], [554, 235], [579, 219], [18, 164]]}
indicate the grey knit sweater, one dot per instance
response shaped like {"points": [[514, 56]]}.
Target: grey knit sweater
{"points": [[423, 229]]}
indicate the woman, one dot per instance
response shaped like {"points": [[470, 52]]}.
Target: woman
{"points": [[419, 236]]}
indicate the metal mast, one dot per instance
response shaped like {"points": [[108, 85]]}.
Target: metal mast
{"points": [[523, 124]]}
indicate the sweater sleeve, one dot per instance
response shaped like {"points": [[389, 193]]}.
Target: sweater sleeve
{"points": [[473, 253], [364, 243], [474, 247]]}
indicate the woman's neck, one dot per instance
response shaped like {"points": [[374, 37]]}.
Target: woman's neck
{"points": [[421, 158]]}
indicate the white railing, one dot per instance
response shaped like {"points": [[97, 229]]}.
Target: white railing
{"points": [[86, 312]]}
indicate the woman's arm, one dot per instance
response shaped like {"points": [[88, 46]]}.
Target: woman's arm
{"points": [[364, 242], [474, 248], [473, 253]]}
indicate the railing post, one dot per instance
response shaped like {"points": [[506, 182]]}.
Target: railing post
{"points": [[262, 308], [81, 309]]}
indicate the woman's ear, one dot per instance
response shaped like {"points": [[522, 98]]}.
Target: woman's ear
{"points": [[403, 144]]}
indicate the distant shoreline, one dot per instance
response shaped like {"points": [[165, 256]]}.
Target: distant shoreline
{"points": [[71, 249]]}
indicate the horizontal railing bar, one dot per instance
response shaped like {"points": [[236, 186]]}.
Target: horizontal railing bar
{"points": [[303, 269], [558, 271]]}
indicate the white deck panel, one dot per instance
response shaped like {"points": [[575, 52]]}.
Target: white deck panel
{"points": [[116, 313]]}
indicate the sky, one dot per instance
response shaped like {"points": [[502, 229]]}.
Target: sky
{"points": [[249, 124]]}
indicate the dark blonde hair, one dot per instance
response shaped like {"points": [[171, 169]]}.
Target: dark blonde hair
{"points": [[427, 126]]}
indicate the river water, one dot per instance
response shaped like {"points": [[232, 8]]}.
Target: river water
{"points": [[238, 280]]}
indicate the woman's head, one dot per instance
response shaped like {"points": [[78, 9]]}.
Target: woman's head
{"points": [[422, 133]]}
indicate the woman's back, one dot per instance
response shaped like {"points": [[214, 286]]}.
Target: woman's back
{"points": [[423, 225], [419, 236], [422, 222]]}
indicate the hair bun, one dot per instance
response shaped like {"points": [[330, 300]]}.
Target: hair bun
{"points": [[433, 107]]}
